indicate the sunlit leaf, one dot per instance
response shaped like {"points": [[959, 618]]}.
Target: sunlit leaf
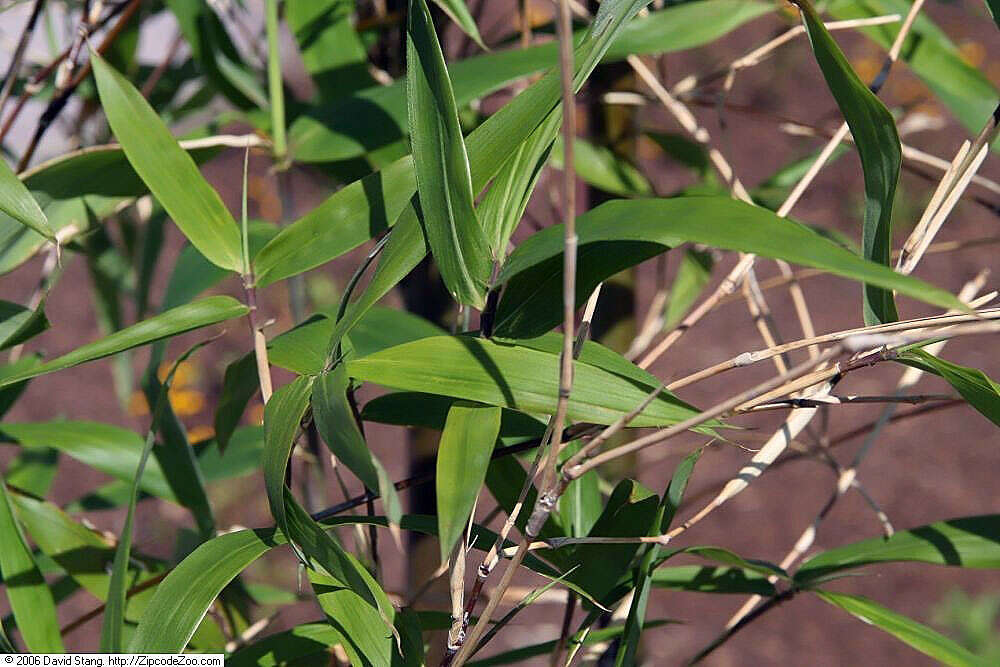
{"points": [[463, 456], [170, 173]]}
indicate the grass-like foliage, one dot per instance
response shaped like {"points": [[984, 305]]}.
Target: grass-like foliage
{"points": [[487, 166]]}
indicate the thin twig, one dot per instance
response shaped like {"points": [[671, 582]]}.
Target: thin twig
{"points": [[22, 44], [566, 65]]}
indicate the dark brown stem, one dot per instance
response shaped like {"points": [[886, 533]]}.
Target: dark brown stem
{"points": [[770, 604], [22, 44], [61, 98]]}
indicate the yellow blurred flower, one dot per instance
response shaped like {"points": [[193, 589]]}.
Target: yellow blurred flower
{"points": [[186, 402], [201, 432]]}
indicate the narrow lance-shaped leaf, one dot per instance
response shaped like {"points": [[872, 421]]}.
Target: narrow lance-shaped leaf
{"points": [[975, 386], [441, 165], [463, 457], [368, 206], [114, 610], [458, 12], [917, 635], [533, 272], [374, 119], [337, 425], [874, 132], [18, 324], [514, 376], [282, 418], [17, 202], [176, 321], [970, 542], [28, 594], [644, 575], [169, 172]]}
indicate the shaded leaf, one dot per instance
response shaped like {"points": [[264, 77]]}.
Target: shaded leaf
{"points": [[28, 594], [332, 53], [600, 167], [877, 141], [336, 424], [18, 324], [711, 579], [112, 450], [239, 384], [692, 275], [114, 609], [634, 227], [303, 349], [458, 12]]}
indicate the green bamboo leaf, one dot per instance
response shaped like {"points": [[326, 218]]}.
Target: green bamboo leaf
{"points": [[336, 424], [692, 276], [647, 565], [972, 542], [114, 610], [908, 631], [168, 171], [600, 167], [441, 165], [513, 376], [331, 50], [76, 189], [110, 449], [282, 418], [307, 644], [712, 579], [463, 457], [533, 272], [406, 247], [374, 120], [239, 384], [28, 594], [182, 599], [597, 636], [17, 202], [503, 206], [581, 503], [18, 324], [458, 12], [371, 205], [875, 136], [932, 56], [178, 320], [33, 470], [303, 349], [975, 387]]}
